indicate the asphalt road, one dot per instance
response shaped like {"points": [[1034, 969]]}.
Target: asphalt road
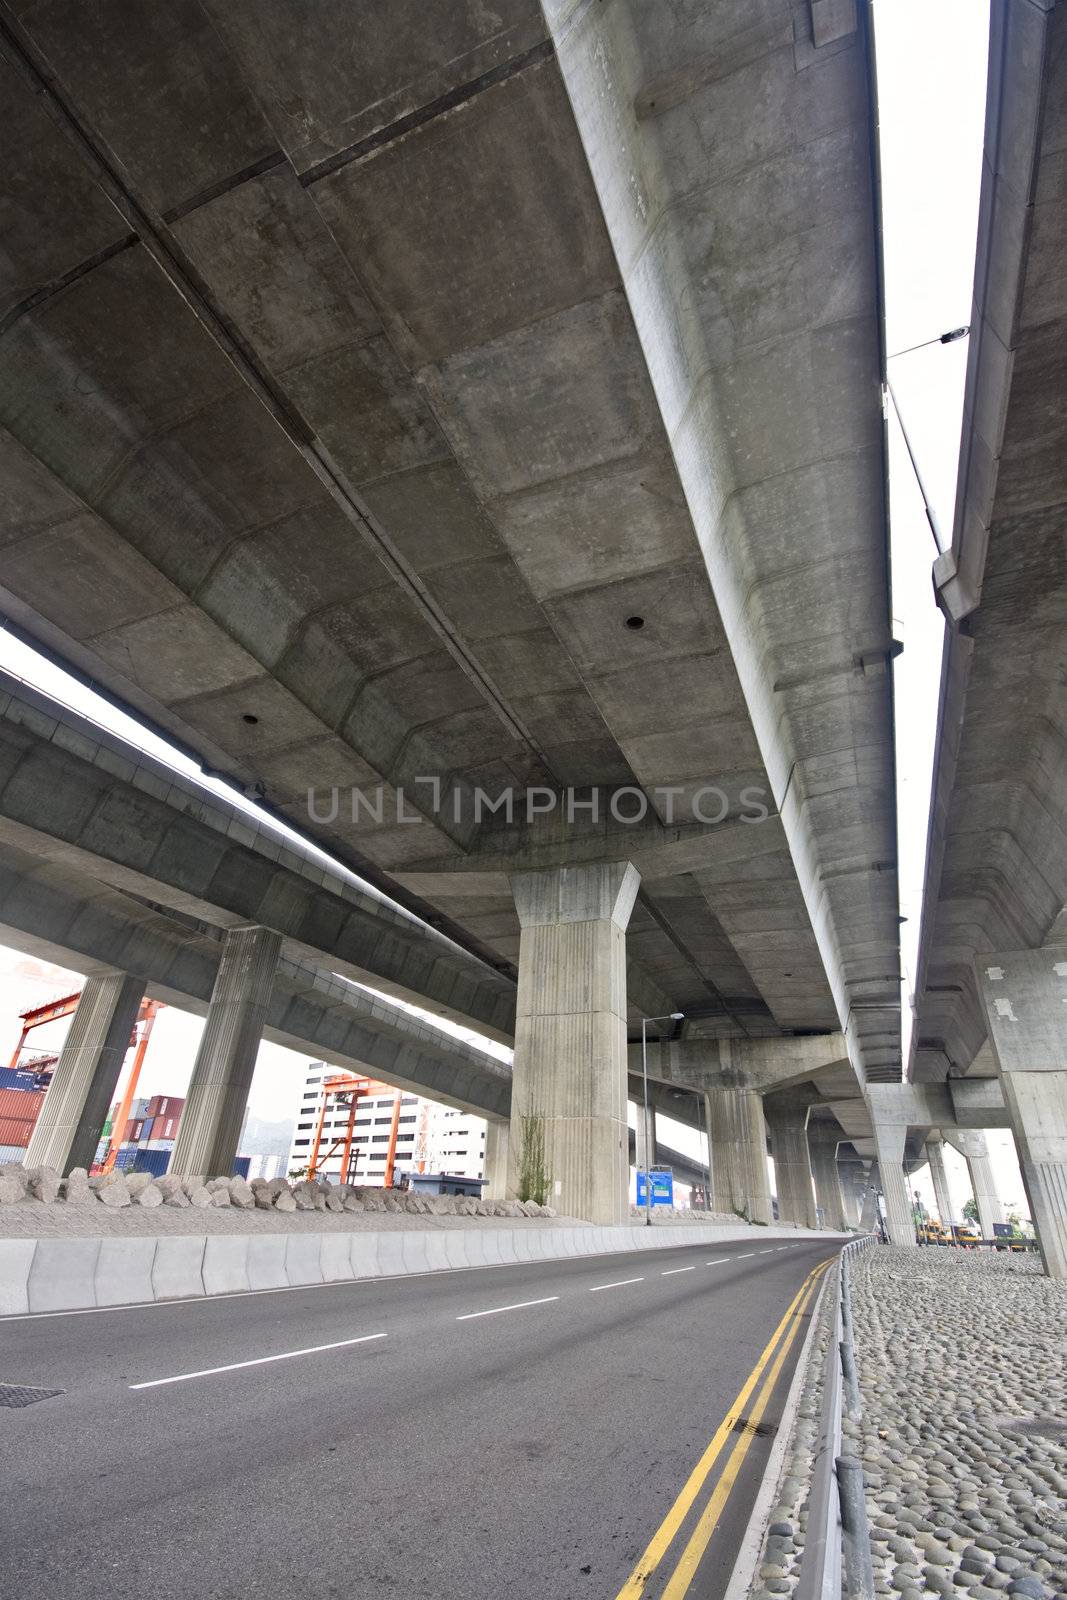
{"points": [[473, 1446]]}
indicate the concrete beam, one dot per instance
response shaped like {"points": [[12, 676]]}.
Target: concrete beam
{"points": [[75, 796]]}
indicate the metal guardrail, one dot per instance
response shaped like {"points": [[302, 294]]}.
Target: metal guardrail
{"points": [[837, 1549]]}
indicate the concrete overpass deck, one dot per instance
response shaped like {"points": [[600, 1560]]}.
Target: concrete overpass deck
{"points": [[566, 482]]}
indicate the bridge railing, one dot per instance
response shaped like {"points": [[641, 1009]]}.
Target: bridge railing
{"points": [[837, 1548]]}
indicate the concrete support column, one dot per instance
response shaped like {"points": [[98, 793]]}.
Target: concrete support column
{"points": [[215, 1103], [889, 1139], [83, 1084], [935, 1155], [645, 1152], [569, 1073], [1024, 993], [788, 1123], [496, 1160], [822, 1147], [738, 1135], [869, 1208], [973, 1147], [853, 1187]]}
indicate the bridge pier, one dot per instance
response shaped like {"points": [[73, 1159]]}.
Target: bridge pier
{"points": [[935, 1155], [569, 1072], [823, 1140], [497, 1135], [83, 1084], [787, 1120], [889, 1139], [1024, 993], [215, 1104], [972, 1146], [738, 1135]]}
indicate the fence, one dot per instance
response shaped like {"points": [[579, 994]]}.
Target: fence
{"points": [[837, 1548]]}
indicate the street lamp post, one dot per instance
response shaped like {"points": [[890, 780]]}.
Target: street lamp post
{"points": [[674, 1016]]}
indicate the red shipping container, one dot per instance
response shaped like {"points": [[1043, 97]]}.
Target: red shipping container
{"points": [[15, 1132], [164, 1105], [22, 1104]]}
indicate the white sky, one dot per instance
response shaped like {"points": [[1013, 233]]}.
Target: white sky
{"points": [[931, 70]]}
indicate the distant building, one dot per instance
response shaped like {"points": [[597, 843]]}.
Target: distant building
{"points": [[430, 1137]]}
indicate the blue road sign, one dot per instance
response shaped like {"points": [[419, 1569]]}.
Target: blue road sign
{"points": [[662, 1188]]}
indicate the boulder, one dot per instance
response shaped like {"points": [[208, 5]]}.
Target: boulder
{"points": [[114, 1193], [373, 1200], [44, 1186], [200, 1196], [11, 1190], [334, 1202], [191, 1185], [391, 1203], [136, 1181], [285, 1201], [306, 1195], [241, 1194], [220, 1197], [176, 1197], [215, 1184], [411, 1203], [77, 1190], [352, 1202], [149, 1197], [169, 1184]]}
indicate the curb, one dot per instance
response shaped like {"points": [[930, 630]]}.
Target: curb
{"points": [[743, 1576], [49, 1275]]}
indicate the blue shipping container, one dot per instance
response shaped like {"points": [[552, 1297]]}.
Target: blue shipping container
{"points": [[153, 1161], [241, 1165]]}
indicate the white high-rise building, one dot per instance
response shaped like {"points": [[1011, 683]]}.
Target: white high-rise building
{"points": [[430, 1137]]}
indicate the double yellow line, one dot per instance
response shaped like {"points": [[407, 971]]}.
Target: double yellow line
{"points": [[678, 1584]]}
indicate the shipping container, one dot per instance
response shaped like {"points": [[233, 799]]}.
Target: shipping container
{"points": [[25, 1104], [11, 1154], [126, 1157], [14, 1131], [153, 1161], [240, 1166]]}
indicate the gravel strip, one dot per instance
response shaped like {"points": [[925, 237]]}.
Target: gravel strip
{"points": [[963, 1436], [783, 1544]]}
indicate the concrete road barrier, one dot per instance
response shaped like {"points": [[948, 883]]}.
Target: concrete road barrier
{"points": [[44, 1275]]}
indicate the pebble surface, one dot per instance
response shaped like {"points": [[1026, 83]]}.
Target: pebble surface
{"points": [[962, 1359], [962, 1362]]}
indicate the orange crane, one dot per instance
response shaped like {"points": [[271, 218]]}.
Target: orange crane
{"points": [[348, 1090], [145, 1018], [37, 1016]]}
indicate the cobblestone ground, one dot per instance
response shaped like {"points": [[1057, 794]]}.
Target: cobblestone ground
{"points": [[963, 1369]]}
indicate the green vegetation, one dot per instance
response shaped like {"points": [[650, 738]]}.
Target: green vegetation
{"points": [[535, 1180]]}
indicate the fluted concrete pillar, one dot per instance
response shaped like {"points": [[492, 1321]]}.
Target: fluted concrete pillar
{"points": [[83, 1084], [889, 1139], [972, 1146], [738, 1137], [496, 1161], [869, 1208], [935, 1155], [569, 1072], [787, 1121], [217, 1097], [1025, 997], [823, 1140], [853, 1187]]}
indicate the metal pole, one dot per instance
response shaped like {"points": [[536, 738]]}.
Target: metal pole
{"points": [[707, 1150], [644, 1077]]}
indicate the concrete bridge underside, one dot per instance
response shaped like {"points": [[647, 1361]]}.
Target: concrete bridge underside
{"points": [[457, 409]]}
